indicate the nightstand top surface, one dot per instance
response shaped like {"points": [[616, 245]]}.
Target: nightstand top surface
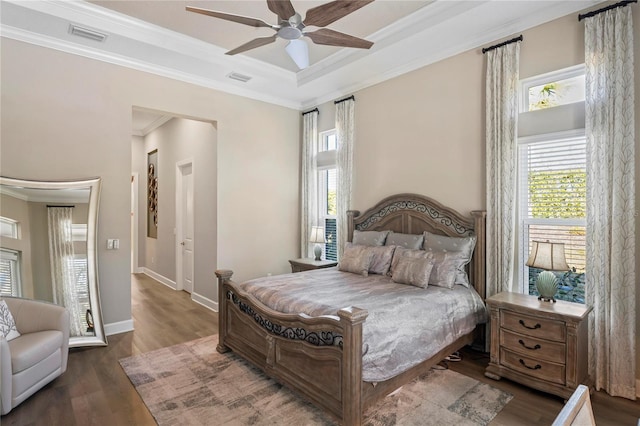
{"points": [[311, 261], [525, 301]]}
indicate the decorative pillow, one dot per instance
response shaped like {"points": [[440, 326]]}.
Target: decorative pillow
{"points": [[380, 259], [444, 269], [461, 247], [356, 259], [400, 252], [413, 270], [7, 324], [408, 241], [369, 238]]}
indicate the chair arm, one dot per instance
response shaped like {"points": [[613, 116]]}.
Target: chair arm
{"points": [[34, 315], [6, 376]]}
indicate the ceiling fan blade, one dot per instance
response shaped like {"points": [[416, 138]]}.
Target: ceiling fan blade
{"points": [[253, 22], [335, 38], [283, 8], [256, 42], [321, 16], [299, 52]]}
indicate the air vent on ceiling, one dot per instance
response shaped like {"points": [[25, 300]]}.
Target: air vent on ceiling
{"points": [[240, 77], [86, 33]]}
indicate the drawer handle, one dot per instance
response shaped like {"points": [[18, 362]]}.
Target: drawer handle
{"points": [[533, 348], [530, 328], [537, 366]]}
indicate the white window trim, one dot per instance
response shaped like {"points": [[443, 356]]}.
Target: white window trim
{"points": [[14, 225], [13, 256], [537, 80], [523, 221]]}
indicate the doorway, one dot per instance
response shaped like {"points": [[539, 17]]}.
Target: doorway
{"points": [[184, 226]]}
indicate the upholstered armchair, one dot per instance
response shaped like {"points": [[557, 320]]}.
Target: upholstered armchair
{"points": [[38, 355]]}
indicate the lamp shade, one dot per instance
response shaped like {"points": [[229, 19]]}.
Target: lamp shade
{"points": [[548, 256], [317, 235]]}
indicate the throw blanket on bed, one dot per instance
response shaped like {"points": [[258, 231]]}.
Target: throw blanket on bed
{"points": [[406, 324]]}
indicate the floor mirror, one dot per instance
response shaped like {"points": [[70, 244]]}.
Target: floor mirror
{"points": [[48, 249]]}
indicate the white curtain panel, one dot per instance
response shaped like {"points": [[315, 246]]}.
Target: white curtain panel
{"points": [[610, 271], [61, 255], [345, 116], [309, 197], [501, 152]]}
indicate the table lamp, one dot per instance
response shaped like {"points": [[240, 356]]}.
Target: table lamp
{"points": [[317, 236], [550, 257]]}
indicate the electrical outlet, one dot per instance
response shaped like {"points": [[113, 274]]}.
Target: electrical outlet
{"points": [[110, 244]]}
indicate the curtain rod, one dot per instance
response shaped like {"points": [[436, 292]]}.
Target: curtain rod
{"points": [[54, 206], [604, 9], [504, 43], [309, 112], [345, 99]]}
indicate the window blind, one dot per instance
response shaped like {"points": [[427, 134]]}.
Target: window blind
{"points": [[553, 195]]}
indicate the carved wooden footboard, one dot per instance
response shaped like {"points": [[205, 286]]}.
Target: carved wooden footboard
{"points": [[321, 357]]}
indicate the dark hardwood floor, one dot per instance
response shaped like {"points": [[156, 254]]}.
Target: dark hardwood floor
{"points": [[95, 390]]}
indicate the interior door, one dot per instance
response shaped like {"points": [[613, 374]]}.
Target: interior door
{"points": [[186, 225]]}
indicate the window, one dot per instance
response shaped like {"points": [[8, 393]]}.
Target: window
{"points": [[553, 89], [327, 186], [8, 228], [552, 186], [9, 273]]}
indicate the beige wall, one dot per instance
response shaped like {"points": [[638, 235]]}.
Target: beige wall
{"points": [[65, 116]]}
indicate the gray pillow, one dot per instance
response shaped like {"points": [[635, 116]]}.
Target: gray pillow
{"points": [[400, 252], [369, 238], [413, 270], [380, 259], [408, 241], [444, 269], [461, 249], [356, 259]]}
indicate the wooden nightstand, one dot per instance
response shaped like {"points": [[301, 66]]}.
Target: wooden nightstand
{"points": [[307, 264], [543, 345]]}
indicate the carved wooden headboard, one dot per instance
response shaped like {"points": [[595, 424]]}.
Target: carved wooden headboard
{"points": [[414, 214]]}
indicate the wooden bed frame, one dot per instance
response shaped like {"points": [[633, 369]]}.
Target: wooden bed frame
{"points": [[321, 357]]}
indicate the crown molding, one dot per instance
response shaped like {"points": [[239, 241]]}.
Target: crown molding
{"points": [[438, 30]]}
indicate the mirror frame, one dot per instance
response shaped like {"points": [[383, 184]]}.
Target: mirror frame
{"points": [[94, 184]]}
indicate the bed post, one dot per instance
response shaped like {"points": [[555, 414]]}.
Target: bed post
{"points": [[223, 275], [352, 319], [479, 265], [351, 215]]}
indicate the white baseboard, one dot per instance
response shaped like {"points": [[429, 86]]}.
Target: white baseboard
{"points": [[161, 279], [206, 302], [118, 327]]}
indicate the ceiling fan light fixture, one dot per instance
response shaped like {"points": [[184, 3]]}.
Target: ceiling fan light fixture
{"points": [[289, 33], [299, 52]]}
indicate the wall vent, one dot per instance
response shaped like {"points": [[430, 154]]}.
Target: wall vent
{"points": [[86, 33], [240, 77]]}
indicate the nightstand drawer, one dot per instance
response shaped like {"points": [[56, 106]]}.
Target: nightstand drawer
{"points": [[533, 347], [535, 368], [533, 326]]}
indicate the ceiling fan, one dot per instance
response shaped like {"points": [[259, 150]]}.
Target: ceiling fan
{"points": [[291, 27]]}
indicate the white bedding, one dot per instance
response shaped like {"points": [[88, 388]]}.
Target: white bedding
{"points": [[406, 324]]}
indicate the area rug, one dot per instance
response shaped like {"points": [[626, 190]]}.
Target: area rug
{"points": [[193, 384]]}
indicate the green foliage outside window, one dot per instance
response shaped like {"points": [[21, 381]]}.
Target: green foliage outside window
{"points": [[557, 194]]}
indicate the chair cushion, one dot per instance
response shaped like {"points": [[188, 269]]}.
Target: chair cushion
{"points": [[31, 348]]}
